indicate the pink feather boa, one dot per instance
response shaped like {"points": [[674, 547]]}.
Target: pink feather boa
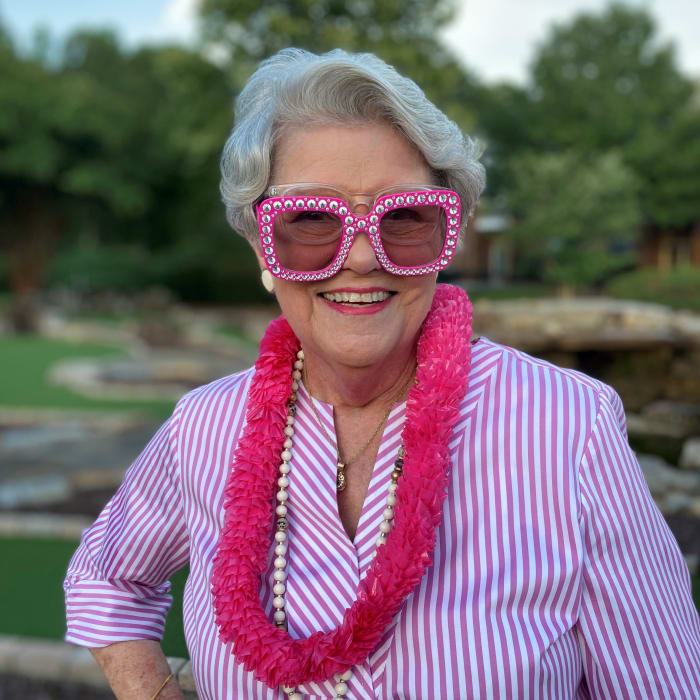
{"points": [[432, 411]]}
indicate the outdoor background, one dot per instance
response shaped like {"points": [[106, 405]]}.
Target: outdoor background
{"points": [[122, 286]]}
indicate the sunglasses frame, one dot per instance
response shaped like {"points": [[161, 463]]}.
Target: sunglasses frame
{"points": [[270, 208]]}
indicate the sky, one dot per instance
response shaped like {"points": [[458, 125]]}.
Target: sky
{"points": [[495, 38]]}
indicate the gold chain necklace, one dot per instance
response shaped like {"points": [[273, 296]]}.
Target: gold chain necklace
{"points": [[340, 480]]}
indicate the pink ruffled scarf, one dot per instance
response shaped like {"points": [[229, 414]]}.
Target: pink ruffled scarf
{"points": [[432, 411]]}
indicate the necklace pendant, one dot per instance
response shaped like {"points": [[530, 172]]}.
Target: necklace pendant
{"points": [[340, 478]]}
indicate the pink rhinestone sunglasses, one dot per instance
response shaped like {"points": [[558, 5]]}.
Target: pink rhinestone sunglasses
{"points": [[307, 236]]}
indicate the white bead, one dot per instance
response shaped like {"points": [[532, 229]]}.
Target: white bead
{"points": [[391, 500], [281, 510], [278, 602], [380, 541], [283, 482], [296, 374], [347, 675], [296, 696], [288, 688], [341, 688], [284, 468], [385, 527], [289, 431], [279, 575], [287, 444], [279, 588], [282, 495], [280, 616], [280, 563], [298, 365], [286, 455], [290, 420], [388, 512], [392, 486], [295, 386], [280, 536], [281, 549], [300, 354]]}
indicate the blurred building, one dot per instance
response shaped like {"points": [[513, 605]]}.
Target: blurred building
{"points": [[486, 252], [670, 249]]}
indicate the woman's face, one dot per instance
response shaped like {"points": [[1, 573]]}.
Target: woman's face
{"points": [[363, 159]]}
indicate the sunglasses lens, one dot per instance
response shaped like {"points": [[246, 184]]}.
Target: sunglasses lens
{"points": [[306, 241], [414, 236]]}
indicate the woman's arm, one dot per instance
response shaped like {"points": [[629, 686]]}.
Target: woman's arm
{"points": [[117, 588], [135, 670], [638, 628]]}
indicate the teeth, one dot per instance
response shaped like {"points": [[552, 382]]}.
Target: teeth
{"points": [[355, 298]]}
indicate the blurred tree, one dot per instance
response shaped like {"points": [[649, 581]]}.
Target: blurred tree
{"points": [[403, 32], [502, 112], [576, 217], [30, 156], [158, 119], [669, 162], [601, 79], [114, 147], [604, 81]]}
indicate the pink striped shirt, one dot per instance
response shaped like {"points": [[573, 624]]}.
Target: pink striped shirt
{"points": [[554, 575]]}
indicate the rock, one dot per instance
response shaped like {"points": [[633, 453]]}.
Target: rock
{"points": [[683, 380], [639, 377], [681, 416], [43, 525], [40, 450], [693, 563], [164, 375], [35, 490], [675, 492], [686, 325], [643, 425], [586, 323], [690, 456]]}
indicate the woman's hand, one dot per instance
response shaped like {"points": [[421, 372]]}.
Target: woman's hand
{"points": [[136, 669]]}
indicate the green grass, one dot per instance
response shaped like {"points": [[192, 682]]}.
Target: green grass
{"points": [[32, 594], [25, 361]]}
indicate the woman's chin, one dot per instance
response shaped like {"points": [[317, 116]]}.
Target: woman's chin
{"points": [[372, 351]]}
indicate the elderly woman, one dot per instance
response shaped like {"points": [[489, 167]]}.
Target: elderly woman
{"points": [[382, 507]]}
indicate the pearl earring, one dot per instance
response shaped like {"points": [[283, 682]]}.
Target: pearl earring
{"points": [[268, 281]]}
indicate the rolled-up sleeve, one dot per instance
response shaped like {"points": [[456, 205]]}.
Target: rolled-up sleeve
{"points": [[117, 586], [638, 629]]}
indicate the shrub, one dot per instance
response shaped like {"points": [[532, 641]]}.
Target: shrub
{"points": [[679, 287]]}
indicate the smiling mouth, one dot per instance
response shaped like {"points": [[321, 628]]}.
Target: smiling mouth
{"points": [[355, 298]]}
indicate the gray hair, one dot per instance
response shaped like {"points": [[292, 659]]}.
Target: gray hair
{"points": [[295, 87]]}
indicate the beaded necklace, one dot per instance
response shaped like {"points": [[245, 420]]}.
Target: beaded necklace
{"points": [[280, 617], [257, 481]]}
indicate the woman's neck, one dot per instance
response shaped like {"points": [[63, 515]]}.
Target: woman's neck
{"points": [[359, 387]]}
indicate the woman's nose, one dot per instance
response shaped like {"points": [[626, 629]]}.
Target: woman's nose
{"points": [[361, 257]]}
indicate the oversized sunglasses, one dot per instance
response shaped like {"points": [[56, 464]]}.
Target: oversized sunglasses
{"points": [[307, 231]]}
